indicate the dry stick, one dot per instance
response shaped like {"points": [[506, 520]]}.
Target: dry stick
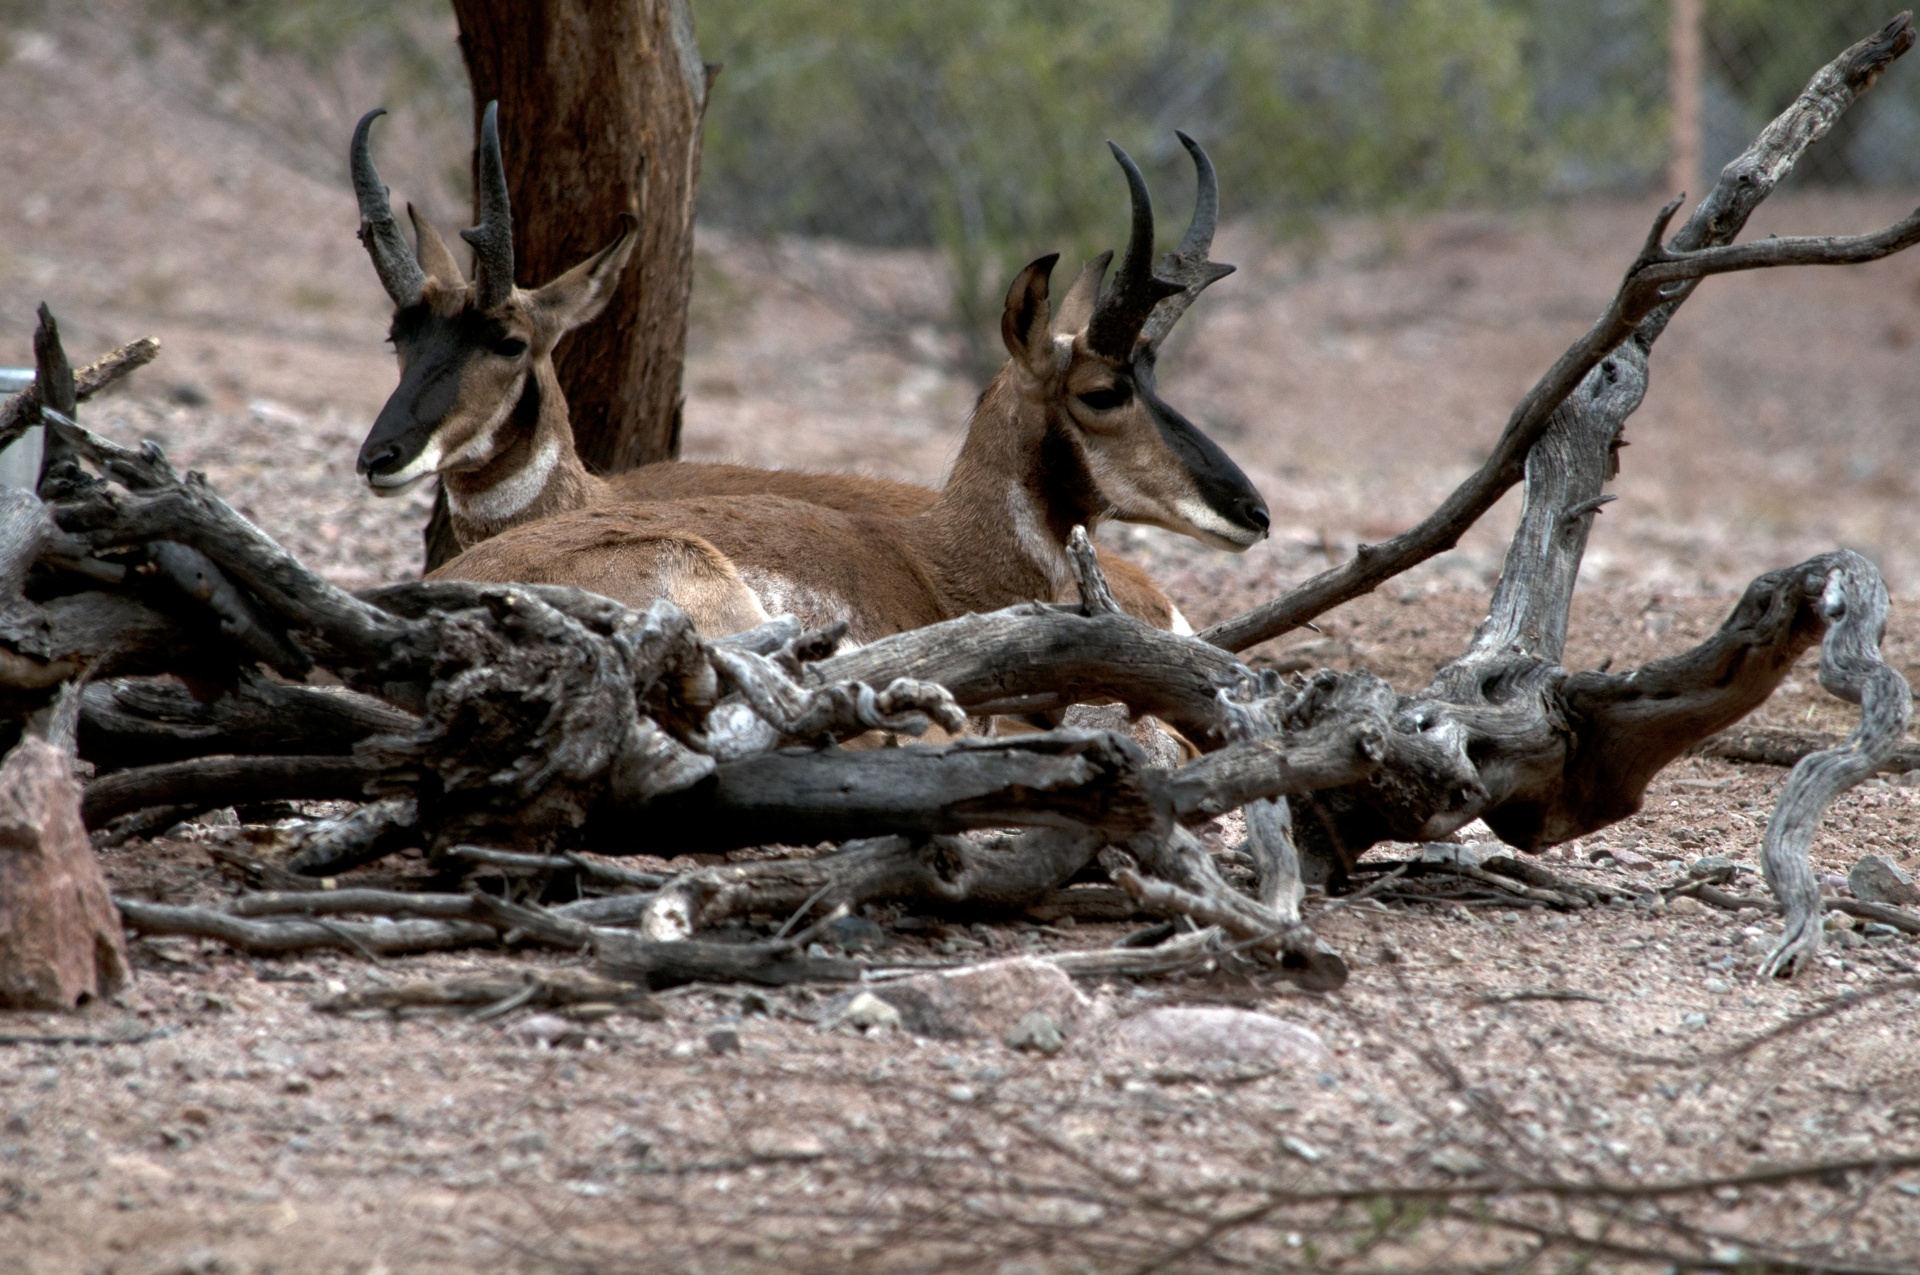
{"points": [[1764, 746], [1643, 295], [392, 938], [338, 902], [1886, 914], [21, 411]]}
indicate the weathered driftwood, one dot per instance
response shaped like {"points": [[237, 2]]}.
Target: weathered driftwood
{"points": [[146, 721], [19, 412], [208, 783], [547, 720], [1655, 285]]}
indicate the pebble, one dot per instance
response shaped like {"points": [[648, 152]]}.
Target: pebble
{"points": [[1038, 1033], [1719, 986], [723, 1040], [544, 1029], [1458, 1161], [1685, 905], [1710, 865], [1875, 879]]}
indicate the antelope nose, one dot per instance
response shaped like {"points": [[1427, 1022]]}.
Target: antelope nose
{"points": [[377, 461], [1254, 514]]}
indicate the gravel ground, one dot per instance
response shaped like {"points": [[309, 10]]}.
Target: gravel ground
{"points": [[237, 1129]]}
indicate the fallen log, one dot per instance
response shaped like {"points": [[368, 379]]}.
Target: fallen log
{"points": [[208, 783]]}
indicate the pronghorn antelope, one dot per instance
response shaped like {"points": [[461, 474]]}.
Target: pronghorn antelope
{"points": [[1070, 432], [479, 404]]}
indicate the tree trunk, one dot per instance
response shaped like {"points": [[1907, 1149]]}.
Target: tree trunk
{"points": [[601, 103]]}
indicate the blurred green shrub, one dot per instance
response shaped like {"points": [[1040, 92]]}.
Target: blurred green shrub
{"points": [[979, 125]]}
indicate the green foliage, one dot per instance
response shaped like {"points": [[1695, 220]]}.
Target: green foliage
{"points": [[980, 125]]}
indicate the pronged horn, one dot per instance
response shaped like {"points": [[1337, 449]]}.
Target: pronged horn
{"points": [[1188, 265], [1118, 318], [492, 239], [393, 261]]}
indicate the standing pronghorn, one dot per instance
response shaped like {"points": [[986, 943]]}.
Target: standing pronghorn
{"points": [[1070, 432], [479, 404]]}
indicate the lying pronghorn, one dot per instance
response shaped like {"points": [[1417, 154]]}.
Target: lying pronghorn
{"points": [[1070, 433], [479, 404]]}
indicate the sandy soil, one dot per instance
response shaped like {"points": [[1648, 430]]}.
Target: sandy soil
{"points": [[235, 1129]]}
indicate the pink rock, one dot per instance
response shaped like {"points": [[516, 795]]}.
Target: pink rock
{"points": [[986, 1000], [61, 941], [1630, 859]]}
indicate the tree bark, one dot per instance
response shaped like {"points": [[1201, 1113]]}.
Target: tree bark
{"points": [[601, 104]]}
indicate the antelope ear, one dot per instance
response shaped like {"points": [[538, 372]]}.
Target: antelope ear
{"points": [[1025, 325], [432, 252], [582, 292], [1076, 308]]}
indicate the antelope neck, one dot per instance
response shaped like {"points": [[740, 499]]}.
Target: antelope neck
{"points": [[535, 473], [999, 530]]}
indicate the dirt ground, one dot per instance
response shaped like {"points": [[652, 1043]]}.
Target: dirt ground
{"points": [[212, 1121]]}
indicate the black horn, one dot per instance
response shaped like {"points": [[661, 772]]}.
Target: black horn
{"points": [[1135, 291], [492, 239], [1188, 266], [393, 260]]}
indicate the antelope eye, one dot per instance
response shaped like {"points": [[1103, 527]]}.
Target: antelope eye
{"points": [[511, 348], [1106, 400]]}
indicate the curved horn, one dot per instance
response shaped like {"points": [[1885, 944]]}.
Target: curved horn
{"points": [[393, 261], [1188, 265], [492, 239], [1118, 318]]}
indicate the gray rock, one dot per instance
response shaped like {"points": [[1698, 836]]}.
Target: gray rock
{"points": [[1201, 1034], [1037, 1033], [1876, 880], [1881, 930], [1471, 854], [723, 1040], [1711, 865]]}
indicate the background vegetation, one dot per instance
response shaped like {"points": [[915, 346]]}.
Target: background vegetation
{"points": [[978, 126]]}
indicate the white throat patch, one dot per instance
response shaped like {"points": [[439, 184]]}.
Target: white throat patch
{"points": [[511, 494], [1031, 535]]}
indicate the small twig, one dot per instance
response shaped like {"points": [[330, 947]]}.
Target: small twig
{"points": [[804, 908], [1538, 994]]}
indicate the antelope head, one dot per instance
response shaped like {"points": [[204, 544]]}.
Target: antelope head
{"points": [[1090, 368], [476, 359]]}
